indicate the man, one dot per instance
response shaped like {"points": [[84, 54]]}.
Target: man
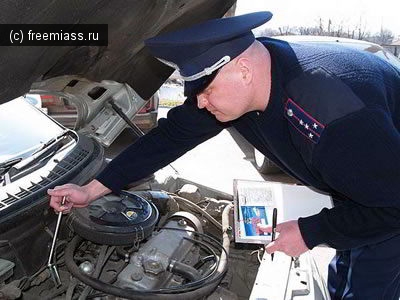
{"points": [[328, 116]]}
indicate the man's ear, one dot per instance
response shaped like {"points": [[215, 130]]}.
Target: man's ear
{"points": [[246, 69]]}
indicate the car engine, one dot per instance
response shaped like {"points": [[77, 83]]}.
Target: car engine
{"points": [[142, 244]]}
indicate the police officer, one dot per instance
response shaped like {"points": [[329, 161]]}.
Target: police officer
{"points": [[328, 116]]}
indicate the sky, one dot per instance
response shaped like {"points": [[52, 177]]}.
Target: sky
{"points": [[373, 14]]}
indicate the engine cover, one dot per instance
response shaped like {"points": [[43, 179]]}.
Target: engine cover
{"points": [[115, 220]]}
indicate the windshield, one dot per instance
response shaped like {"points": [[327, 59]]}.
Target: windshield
{"points": [[23, 129]]}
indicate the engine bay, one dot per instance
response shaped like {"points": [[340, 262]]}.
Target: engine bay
{"points": [[142, 244]]}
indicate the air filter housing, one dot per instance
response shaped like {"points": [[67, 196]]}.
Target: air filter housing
{"points": [[115, 220]]}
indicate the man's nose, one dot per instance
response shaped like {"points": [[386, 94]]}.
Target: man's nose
{"points": [[201, 101]]}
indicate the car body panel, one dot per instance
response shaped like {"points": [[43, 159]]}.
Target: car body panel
{"points": [[286, 278], [124, 59], [376, 49], [65, 111], [96, 117]]}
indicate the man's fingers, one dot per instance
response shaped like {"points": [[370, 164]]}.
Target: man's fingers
{"points": [[56, 198], [66, 208], [264, 228], [59, 192], [57, 205], [69, 192]]}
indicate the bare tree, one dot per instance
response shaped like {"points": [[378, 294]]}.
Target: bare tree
{"points": [[268, 32], [309, 30], [286, 30], [362, 34], [350, 33], [339, 31], [384, 37], [329, 28], [321, 26]]}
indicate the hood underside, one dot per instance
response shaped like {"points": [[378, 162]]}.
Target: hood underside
{"points": [[124, 59]]}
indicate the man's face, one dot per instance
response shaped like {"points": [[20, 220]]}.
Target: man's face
{"points": [[227, 96]]}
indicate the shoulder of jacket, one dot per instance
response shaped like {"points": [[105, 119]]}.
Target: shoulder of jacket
{"points": [[323, 95]]}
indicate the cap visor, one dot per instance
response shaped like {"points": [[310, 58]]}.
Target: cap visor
{"points": [[195, 87]]}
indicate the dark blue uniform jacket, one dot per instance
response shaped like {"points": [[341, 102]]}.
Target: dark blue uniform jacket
{"points": [[332, 122]]}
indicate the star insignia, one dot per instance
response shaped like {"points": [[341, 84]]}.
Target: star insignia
{"points": [[301, 120]]}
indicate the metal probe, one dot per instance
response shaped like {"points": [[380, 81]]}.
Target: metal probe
{"points": [[133, 126], [52, 266], [274, 217]]}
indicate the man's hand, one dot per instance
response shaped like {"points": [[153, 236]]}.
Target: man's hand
{"points": [[289, 240], [75, 195]]}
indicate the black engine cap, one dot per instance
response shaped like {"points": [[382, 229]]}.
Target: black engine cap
{"points": [[115, 220]]}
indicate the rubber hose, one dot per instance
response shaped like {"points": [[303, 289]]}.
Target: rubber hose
{"points": [[203, 260], [225, 237], [184, 270], [127, 293]]}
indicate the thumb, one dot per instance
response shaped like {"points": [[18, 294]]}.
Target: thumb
{"points": [[271, 247]]}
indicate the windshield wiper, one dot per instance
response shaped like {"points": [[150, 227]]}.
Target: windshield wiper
{"points": [[6, 165], [37, 158], [53, 141]]}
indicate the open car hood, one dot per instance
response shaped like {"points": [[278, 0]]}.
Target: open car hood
{"points": [[124, 60]]}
